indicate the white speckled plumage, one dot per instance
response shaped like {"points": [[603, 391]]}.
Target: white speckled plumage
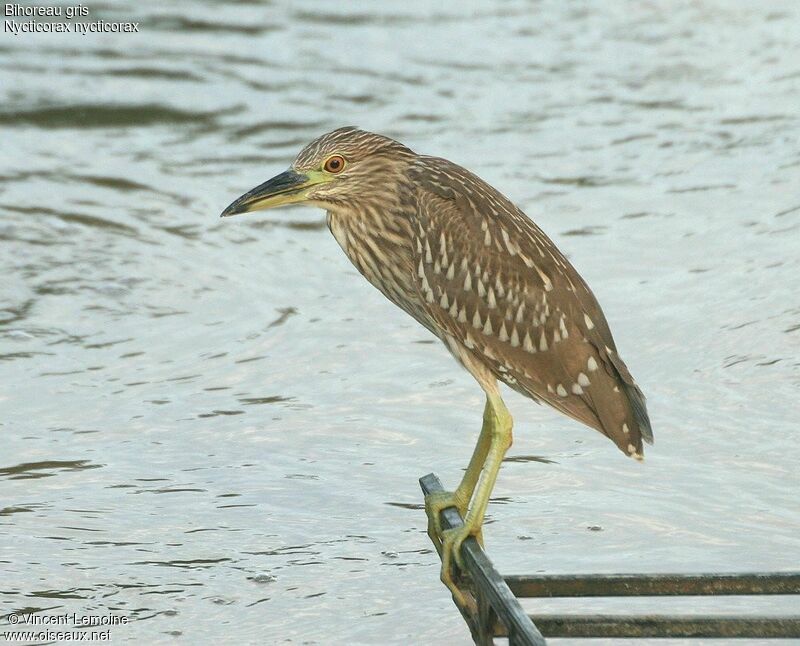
{"points": [[476, 271]]}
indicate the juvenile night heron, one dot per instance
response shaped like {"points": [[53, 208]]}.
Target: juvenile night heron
{"points": [[459, 257]]}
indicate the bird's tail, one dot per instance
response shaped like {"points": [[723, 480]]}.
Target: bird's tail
{"points": [[637, 420]]}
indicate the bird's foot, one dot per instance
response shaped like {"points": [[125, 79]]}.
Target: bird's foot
{"points": [[448, 541], [452, 540], [435, 503]]}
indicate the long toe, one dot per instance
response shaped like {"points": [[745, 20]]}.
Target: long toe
{"points": [[435, 503], [452, 540]]}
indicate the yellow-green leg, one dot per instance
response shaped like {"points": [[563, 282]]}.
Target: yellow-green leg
{"points": [[483, 469], [460, 498]]}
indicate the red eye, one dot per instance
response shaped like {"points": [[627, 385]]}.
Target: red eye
{"points": [[334, 164]]}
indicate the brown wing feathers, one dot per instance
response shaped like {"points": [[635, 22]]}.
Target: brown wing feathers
{"points": [[494, 281]]}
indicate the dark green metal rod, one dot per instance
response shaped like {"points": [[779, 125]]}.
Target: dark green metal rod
{"points": [[645, 585], [667, 626], [516, 623]]}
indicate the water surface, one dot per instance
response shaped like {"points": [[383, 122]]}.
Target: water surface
{"points": [[215, 427]]}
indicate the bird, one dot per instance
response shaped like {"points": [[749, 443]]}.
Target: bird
{"points": [[467, 264]]}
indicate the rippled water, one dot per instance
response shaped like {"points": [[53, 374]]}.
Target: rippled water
{"points": [[215, 427]]}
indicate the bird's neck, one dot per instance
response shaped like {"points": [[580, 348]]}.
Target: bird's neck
{"points": [[378, 242]]}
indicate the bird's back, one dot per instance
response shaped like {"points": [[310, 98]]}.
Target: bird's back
{"points": [[491, 279]]}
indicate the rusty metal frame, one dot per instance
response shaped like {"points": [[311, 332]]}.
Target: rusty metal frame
{"points": [[493, 608]]}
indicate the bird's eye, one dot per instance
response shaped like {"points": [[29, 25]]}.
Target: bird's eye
{"points": [[334, 164]]}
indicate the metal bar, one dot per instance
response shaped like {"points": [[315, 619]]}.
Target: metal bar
{"points": [[645, 585], [515, 622], [666, 626]]}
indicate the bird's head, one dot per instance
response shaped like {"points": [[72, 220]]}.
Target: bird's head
{"points": [[340, 168]]}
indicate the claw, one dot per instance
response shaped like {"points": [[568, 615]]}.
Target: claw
{"points": [[448, 542], [451, 548], [434, 504], [451, 542]]}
